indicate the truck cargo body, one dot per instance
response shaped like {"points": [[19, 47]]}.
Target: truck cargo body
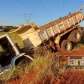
{"points": [[60, 25]]}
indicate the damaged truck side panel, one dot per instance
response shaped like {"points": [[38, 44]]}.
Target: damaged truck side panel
{"points": [[9, 53]]}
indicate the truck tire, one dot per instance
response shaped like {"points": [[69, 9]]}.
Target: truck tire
{"points": [[75, 36], [66, 45]]}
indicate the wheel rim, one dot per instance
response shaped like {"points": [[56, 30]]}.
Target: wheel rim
{"points": [[69, 46], [78, 36], [75, 36]]}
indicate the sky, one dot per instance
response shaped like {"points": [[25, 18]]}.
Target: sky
{"points": [[15, 12]]}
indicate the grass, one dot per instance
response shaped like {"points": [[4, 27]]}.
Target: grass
{"points": [[11, 73], [6, 74], [36, 71], [40, 67]]}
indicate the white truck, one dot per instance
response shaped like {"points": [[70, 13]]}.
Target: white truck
{"points": [[9, 53]]}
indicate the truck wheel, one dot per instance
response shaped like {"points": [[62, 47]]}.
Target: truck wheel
{"points": [[66, 45], [75, 36]]}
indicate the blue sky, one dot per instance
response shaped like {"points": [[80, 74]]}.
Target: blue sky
{"points": [[14, 12]]}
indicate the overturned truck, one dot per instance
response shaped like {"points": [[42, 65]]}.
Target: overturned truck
{"points": [[9, 53], [62, 33]]}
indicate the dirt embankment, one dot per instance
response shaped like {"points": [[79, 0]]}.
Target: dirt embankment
{"points": [[69, 77]]}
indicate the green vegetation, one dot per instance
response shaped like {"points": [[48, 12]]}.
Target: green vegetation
{"points": [[6, 75], [41, 66]]}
